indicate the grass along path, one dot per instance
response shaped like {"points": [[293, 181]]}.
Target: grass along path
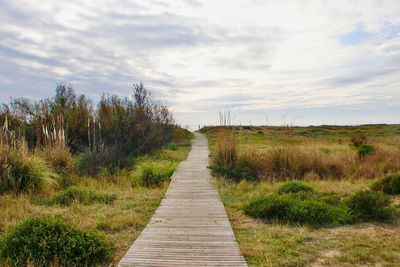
{"points": [[121, 221], [332, 166], [279, 244]]}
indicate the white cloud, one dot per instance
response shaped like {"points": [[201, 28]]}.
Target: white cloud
{"points": [[203, 55]]}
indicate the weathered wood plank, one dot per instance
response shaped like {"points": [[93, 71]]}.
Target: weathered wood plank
{"points": [[190, 227]]}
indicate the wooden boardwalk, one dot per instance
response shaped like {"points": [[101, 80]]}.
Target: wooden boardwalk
{"points": [[190, 227]]}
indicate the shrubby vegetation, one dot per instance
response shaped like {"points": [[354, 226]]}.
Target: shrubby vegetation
{"points": [[65, 150], [294, 187], [38, 138], [50, 241], [325, 158], [300, 203], [389, 185]]}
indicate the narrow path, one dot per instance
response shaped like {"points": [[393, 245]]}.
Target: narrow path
{"points": [[190, 227]]}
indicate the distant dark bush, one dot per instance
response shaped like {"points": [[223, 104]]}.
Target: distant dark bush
{"points": [[88, 162], [82, 195], [50, 241], [288, 209], [365, 150], [359, 139], [369, 205], [389, 185], [294, 187], [235, 172]]}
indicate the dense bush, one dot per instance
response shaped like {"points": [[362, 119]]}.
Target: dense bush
{"points": [[365, 150], [389, 185], [289, 209], [50, 241], [314, 208], [369, 205], [82, 195], [294, 187]]}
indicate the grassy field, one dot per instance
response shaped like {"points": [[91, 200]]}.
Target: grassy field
{"points": [[279, 243], [131, 200]]}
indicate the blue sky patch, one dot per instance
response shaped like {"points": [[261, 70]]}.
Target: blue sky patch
{"points": [[357, 36]]}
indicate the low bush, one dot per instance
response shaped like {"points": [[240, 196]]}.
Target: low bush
{"points": [[294, 187], [50, 241], [82, 195], [235, 172], [388, 185], [369, 205], [152, 172], [365, 150], [288, 209]]}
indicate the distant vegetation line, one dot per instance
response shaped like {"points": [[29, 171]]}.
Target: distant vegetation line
{"points": [[78, 181], [106, 133]]}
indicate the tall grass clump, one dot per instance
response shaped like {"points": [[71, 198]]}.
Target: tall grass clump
{"points": [[20, 170], [50, 241], [279, 162], [227, 160]]}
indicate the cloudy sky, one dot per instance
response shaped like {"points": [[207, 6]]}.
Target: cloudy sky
{"points": [[302, 62]]}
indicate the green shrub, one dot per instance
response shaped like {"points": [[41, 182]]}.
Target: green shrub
{"points": [[288, 209], [294, 187], [82, 195], [389, 185], [48, 241], [152, 172], [154, 175], [369, 205], [365, 150], [235, 172]]}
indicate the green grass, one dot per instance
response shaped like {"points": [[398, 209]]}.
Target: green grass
{"points": [[276, 243]]}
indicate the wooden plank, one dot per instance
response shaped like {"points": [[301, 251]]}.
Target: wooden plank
{"points": [[190, 227]]}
